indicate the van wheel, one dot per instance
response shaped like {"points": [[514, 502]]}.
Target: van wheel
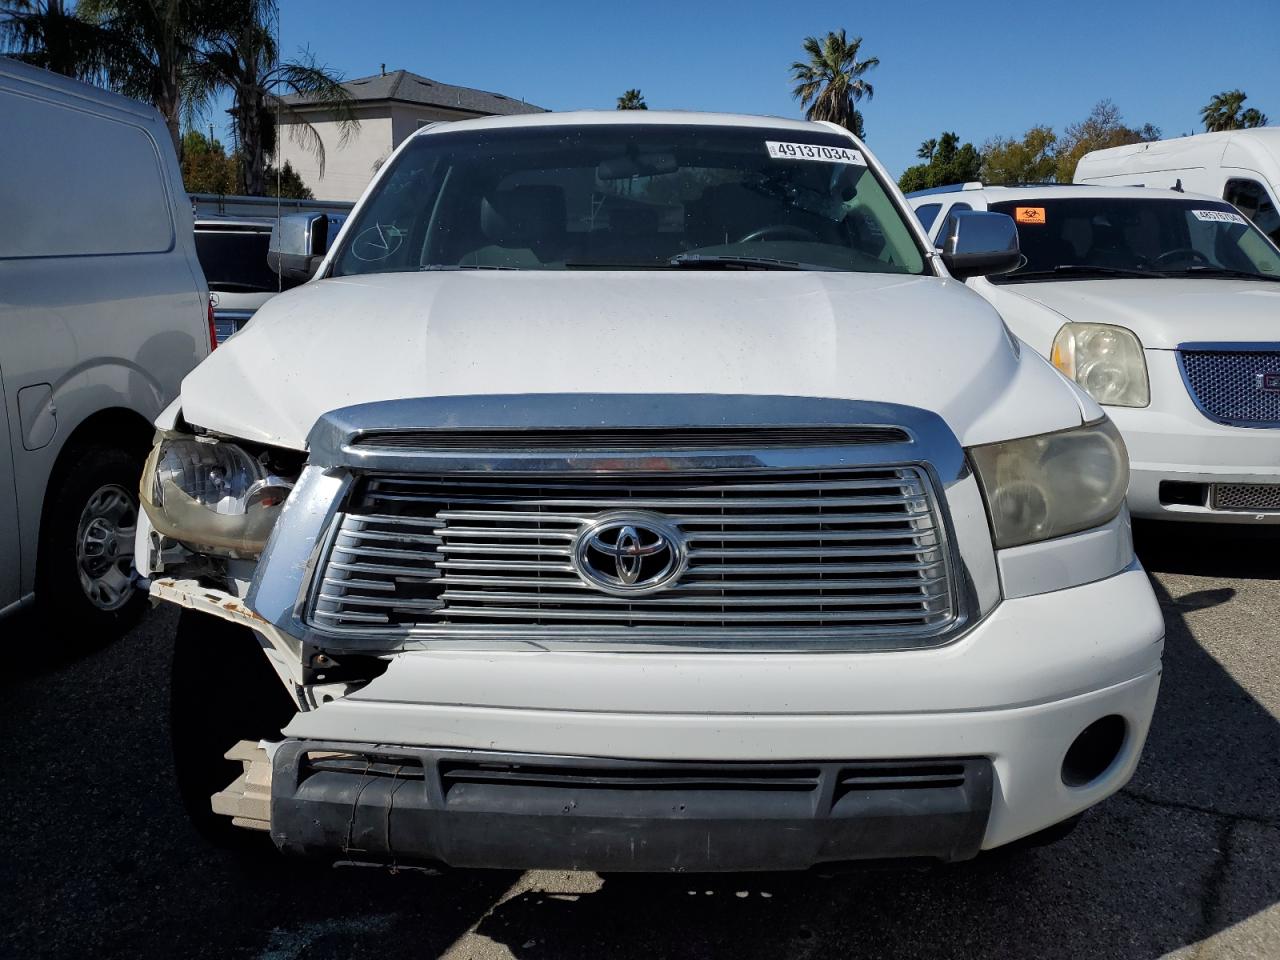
{"points": [[222, 690], [85, 581]]}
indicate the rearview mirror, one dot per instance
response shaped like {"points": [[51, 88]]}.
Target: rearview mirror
{"points": [[299, 242], [979, 244]]}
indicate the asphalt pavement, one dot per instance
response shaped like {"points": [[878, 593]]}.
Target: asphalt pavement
{"points": [[98, 860]]}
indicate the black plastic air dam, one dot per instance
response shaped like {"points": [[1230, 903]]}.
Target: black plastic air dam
{"points": [[383, 804]]}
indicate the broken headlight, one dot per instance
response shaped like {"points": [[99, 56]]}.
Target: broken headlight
{"points": [[213, 496]]}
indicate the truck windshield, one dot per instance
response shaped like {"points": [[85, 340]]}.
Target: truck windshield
{"points": [[629, 197], [1098, 238]]}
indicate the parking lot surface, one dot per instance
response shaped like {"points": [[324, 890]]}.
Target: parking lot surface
{"points": [[1185, 862]]}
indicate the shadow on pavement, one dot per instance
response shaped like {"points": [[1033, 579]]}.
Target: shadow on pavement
{"points": [[1219, 550], [100, 862]]}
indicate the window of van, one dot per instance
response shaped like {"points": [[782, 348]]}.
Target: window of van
{"points": [[1251, 198], [927, 214], [78, 184]]}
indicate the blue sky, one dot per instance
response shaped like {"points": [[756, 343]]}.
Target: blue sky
{"points": [[981, 74]]}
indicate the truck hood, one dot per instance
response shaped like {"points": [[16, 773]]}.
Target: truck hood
{"points": [[1165, 313], [919, 341]]}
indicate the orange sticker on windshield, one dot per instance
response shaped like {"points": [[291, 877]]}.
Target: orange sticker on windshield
{"points": [[1029, 214]]}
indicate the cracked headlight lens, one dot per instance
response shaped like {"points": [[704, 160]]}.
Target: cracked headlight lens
{"points": [[1047, 486], [1106, 360], [212, 495]]}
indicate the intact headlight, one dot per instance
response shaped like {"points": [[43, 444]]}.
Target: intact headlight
{"points": [[1106, 360], [1047, 486], [212, 495]]}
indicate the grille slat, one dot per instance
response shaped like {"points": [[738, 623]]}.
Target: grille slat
{"points": [[841, 553], [1228, 385]]}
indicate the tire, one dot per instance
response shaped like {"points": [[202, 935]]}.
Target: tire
{"points": [[222, 690], [85, 590]]}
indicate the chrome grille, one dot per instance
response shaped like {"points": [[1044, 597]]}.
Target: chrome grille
{"points": [[857, 552], [1228, 385]]}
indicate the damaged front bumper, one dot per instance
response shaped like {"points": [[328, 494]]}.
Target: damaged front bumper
{"points": [[558, 750]]}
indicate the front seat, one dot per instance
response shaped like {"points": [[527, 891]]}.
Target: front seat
{"points": [[525, 227]]}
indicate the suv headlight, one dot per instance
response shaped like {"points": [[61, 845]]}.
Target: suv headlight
{"points": [[1047, 486], [212, 495], [1106, 360]]}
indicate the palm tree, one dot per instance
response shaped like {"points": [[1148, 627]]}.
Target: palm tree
{"points": [[927, 149], [1225, 111], [244, 59], [830, 83], [47, 34], [632, 100], [153, 46]]}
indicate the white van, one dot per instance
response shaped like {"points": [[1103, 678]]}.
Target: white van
{"points": [[103, 311], [1240, 166]]}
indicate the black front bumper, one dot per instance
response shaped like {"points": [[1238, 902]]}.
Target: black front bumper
{"points": [[380, 804]]}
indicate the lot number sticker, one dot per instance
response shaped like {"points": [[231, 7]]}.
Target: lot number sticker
{"points": [[1029, 215], [1219, 216], [813, 151]]}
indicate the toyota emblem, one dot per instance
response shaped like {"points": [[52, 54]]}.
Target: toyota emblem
{"points": [[629, 553]]}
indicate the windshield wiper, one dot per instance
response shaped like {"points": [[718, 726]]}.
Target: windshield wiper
{"points": [[1207, 271], [732, 261], [464, 266], [1082, 271]]}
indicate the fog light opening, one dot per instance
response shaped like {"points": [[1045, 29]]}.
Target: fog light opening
{"points": [[1094, 751]]}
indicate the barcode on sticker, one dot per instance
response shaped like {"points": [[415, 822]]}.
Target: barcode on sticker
{"points": [[813, 151], [1219, 216]]}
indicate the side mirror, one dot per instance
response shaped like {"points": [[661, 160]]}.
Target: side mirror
{"points": [[299, 242], [978, 244]]}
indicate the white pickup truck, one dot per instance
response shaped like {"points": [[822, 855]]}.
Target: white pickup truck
{"points": [[644, 493]]}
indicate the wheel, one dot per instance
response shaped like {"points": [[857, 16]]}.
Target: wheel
{"points": [[222, 690], [84, 566]]}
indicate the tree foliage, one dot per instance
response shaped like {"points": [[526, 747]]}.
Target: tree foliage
{"points": [[242, 58], [1226, 111], [1029, 160], [831, 82], [180, 56], [949, 162], [1103, 128], [287, 183], [206, 168], [49, 34], [632, 100]]}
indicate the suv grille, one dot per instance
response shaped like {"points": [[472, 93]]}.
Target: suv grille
{"points": [[1246, 496], [1226, 384], [847, 553]]}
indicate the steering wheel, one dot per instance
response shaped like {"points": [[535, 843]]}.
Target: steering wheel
{"points": [[779, 231], [1182, 253]]}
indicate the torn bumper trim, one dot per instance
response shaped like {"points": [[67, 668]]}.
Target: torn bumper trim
{"points": [[380, 804]]}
